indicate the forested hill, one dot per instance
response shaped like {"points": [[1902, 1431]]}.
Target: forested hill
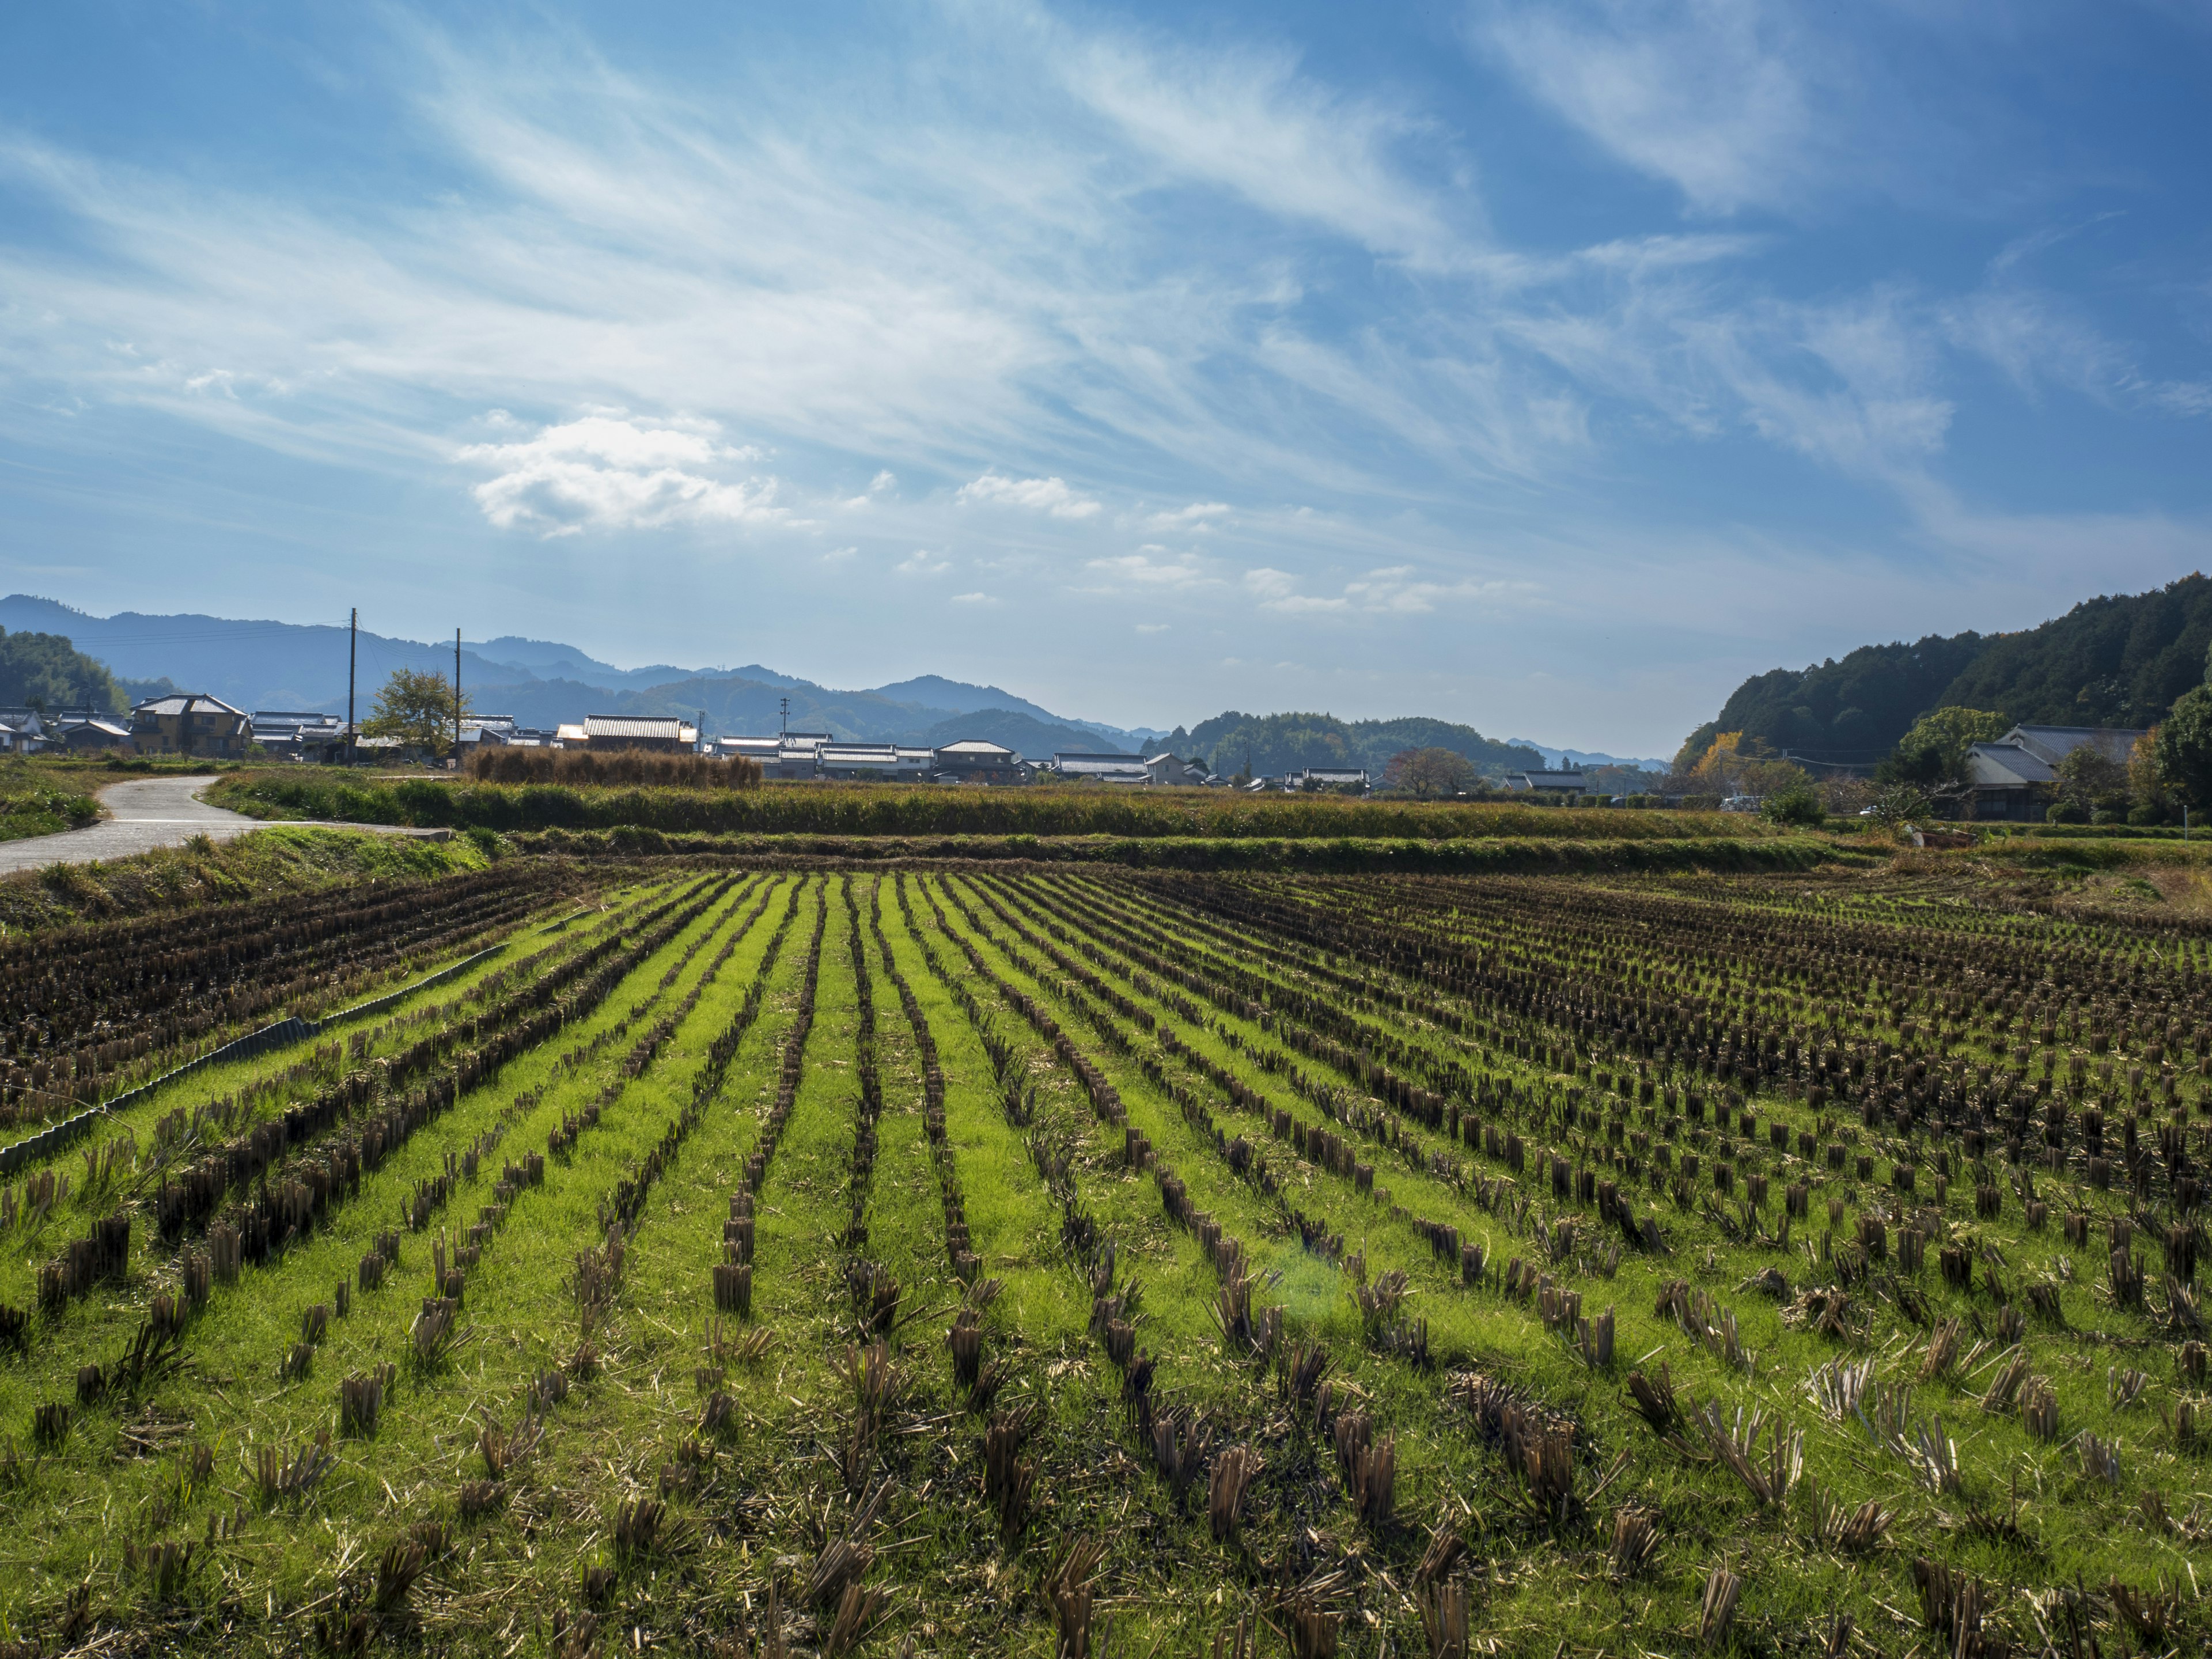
{"points": [[1275, 744], [2118, 660]]}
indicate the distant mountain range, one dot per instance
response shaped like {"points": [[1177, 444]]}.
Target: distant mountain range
{"points": [[541, 683], [273, 665], [2117, 660]]}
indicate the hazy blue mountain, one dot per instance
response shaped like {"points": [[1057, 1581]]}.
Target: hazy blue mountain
{"points": [[1025, 734], [964, 698], [547, 659], [938, 692], [248, 664], [1585, 757]]}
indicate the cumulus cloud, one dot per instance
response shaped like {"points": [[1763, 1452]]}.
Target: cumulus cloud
{"points": [[923, 563], [1278, 589], [1050, 496], [1142, 570], [614, 471]]}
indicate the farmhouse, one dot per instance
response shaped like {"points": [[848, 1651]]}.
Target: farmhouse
{"points": [[1327, 777], [2015, 777], [292, 734], [1565, 781], [663, 734], [888, 762], [188, 723], [1078, 767], [978, 760]]}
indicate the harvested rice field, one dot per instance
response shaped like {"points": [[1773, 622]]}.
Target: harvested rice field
{"points": [[707, 1259]]}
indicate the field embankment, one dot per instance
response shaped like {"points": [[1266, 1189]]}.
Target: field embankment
{"points": [[284, 858], [938, 809], [1347, 853]]}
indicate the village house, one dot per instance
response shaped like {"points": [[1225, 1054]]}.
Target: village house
{"points": [[190, 723], [2015, 778]]}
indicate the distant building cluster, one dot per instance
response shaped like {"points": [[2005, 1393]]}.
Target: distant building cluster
{"points": [[193, 724]]}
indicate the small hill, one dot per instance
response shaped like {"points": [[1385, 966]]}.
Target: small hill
{"points": [[2114, 660], [1274, 744], [44, 671]]}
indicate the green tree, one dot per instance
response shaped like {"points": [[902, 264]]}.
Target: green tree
{"points": [[2088, 777], [419, 709], [1934, 751], [2183, 745], [1430, 774]]}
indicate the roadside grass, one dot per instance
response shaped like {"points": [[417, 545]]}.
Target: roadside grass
{"points": [[39, 798]]}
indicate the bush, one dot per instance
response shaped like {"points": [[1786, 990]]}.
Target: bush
{"points": [[1800, 806], [2104, 815], [2065, 812], [2148, 813]]}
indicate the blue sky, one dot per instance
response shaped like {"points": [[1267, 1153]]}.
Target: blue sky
{"points": [[1547, 367]]}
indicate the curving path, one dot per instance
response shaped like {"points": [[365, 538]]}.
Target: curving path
{"points": [[145, 813]]}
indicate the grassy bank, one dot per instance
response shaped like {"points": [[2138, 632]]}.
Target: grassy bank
{"points": [[887, 810], [203, 871], [41, 800], [1337, 852]]}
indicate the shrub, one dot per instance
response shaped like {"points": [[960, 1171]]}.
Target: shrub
{"points": [[1799, 805], [2148, 813], [2066, 811]]}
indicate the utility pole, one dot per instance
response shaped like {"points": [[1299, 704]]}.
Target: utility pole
{"points": [[457, 700], [353, 654], [785, 704]]}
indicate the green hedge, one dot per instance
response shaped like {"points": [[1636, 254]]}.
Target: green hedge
{"points": [[890, 810]]}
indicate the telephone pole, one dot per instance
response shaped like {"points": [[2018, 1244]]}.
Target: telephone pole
{"points": [[457, 700], [785, 704], [353, 654]]}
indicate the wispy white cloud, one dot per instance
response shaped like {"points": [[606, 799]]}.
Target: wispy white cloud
{"points": [[974, 598], [1251, 120], [1050, 496], [923, 563], [1709, 95]]}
